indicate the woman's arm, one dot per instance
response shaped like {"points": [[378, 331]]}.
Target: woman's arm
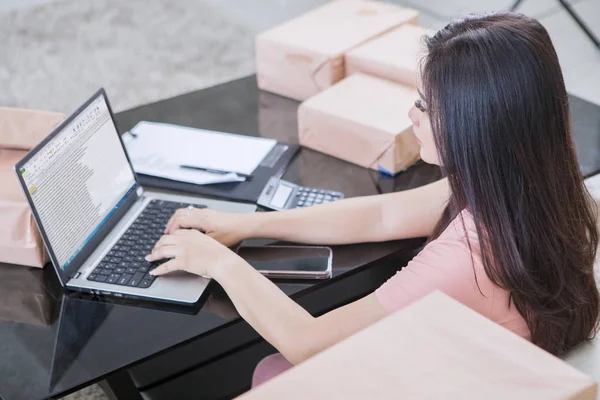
{"points": [[288, 327], [277, 318], [282, 322], [402, 215]]}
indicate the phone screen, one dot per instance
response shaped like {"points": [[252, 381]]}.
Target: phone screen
{"points": [[290, 260]]}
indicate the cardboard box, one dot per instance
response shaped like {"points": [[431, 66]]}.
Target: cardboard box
{"points": [[435, 348], [20, 240], [363, 120], [306, 55], [394, 55]]}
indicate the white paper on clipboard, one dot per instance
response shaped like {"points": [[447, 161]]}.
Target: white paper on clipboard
{"points": [[160, 149]]}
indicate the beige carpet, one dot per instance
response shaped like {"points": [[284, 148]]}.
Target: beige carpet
{"points": [[57, 54], [89, 393]]}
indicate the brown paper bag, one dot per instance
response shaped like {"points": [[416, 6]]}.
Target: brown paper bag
{"points": [[20, 240], [434, 349], [23, 129]]}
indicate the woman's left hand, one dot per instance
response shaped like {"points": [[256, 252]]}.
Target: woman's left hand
{"points": [[191, 251]]}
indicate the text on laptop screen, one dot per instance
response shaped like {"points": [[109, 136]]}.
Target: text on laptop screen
{"points": [[78, 180]]}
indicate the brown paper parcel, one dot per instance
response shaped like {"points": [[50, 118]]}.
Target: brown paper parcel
{"points": [[306, 55], [20, 240], [434, 349], [394, 55], [363, 120]]}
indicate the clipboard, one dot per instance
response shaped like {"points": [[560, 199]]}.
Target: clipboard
{"points": [[274, 164]]}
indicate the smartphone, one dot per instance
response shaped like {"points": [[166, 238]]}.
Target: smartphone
{"points": [[291, 262]]}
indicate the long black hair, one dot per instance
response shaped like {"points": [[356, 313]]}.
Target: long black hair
{"points": [[500, 117]]}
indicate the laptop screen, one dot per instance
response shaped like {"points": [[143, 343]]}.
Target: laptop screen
{"points": [[78, 180]]}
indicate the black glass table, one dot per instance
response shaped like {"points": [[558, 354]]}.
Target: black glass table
{"points": [[53, 343]]}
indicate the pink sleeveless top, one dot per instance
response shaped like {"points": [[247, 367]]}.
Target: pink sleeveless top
{"points": [[445, 264]]}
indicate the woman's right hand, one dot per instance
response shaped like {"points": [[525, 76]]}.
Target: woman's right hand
{"points": [[226, 228]]}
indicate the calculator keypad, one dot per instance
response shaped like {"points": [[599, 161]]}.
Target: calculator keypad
{"points": [[307, 196]]}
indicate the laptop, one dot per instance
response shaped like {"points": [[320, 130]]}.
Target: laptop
{"points": [[97, 222]]}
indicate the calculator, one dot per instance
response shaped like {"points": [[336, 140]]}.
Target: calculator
{"points": [[283, 195]]}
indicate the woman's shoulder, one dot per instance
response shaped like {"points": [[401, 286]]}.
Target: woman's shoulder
{"points": [[457, 247], [450, 262], [462, 231]]}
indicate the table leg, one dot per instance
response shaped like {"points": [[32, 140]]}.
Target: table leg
{"points": [[119, 386]]}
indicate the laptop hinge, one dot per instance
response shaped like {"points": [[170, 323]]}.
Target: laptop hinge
{"points": [[140, 191]]}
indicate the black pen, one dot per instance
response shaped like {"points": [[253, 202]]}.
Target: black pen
{"points": [[216, 171]]}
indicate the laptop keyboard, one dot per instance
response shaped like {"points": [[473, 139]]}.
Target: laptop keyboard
{"points": [[124, 264]]}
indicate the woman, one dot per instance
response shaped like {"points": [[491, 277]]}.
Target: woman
{"points": [[512, 228]]}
